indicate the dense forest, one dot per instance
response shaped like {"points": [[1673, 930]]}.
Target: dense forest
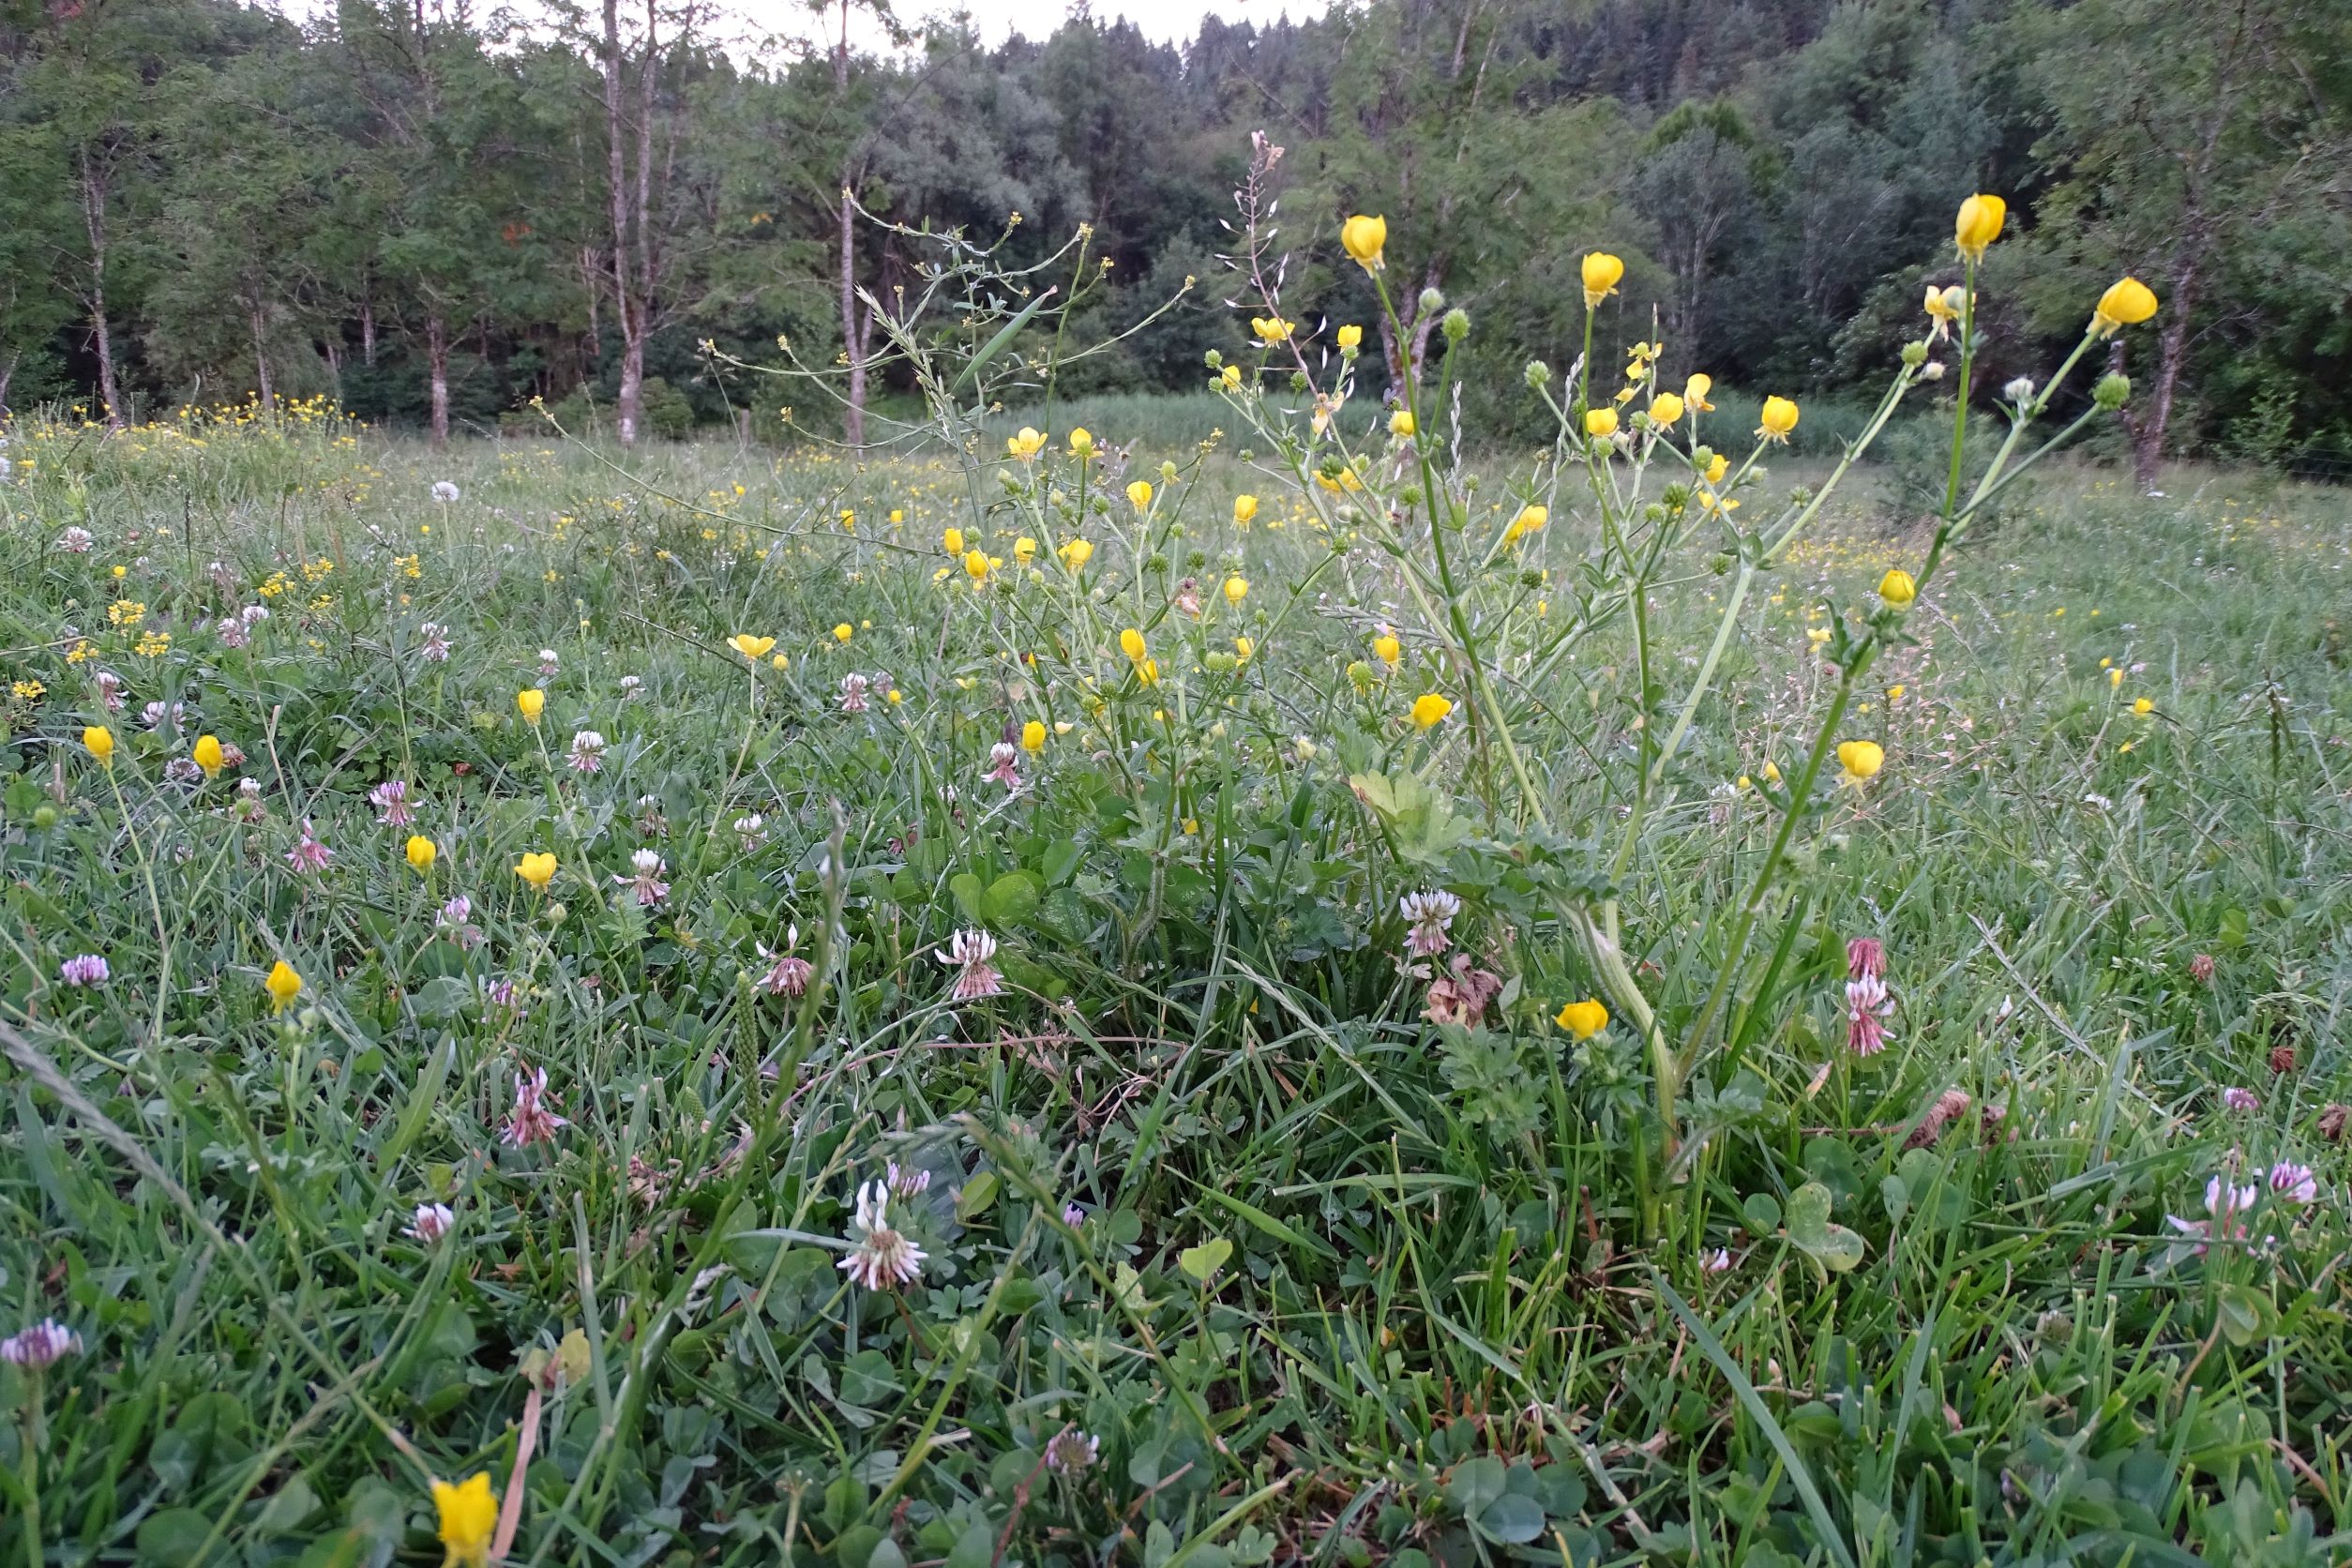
{"points": [[435, 217]]}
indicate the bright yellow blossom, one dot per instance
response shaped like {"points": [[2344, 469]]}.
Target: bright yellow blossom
{"points": [[976, 565], [1779, 418], [1977, 224], [1236, 589], [1350, 338], [952, 541], [208, 755], [1131, 643], [1602, 274], [1429, 710], [1897, 588], [842, 632], [421, 852], [1077, 552], [2127, 302], [1860, 759], [1140, 495], [1401, 422], [1364, 238], [750, 646], [1025, 446], [1584, 1019], [537, 868], [1269, 329], [1717, 468], [468, 1519], [530, 702], [1034, 736], [1244, 508], [1081, 442], [1530, 519], [2142, 708], [99, 742], [1694, 393], [283, 984], [1664, 409], [1388, 648], [1600, 423]]}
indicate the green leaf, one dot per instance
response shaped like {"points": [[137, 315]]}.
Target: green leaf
{"points": [[1762, 1213], [1512, 1518], [1477, 1484], [1205, 1260], [1011, 900], [970, 896], [1832, 1246], [976, 1196], [172, 1538], [1061, 860]]}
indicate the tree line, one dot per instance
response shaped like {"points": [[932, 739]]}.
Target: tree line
{"points": [[436, 217]]}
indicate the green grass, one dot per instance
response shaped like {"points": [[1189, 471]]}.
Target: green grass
{"points": [[1347, 1287]]}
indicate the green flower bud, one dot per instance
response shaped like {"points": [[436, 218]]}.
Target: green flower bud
{"points": [[1538, 375], [1431, 302], [1914, 354], [1456, 325], [2111, 392]]}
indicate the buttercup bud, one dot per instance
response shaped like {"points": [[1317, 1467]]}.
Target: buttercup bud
{"points": [[2019, 390], [1914, 354], [1538, 375], [2111, 392], [1456, 325], [1431, 302]]}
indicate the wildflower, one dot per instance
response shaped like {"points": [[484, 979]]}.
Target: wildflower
{"points": [[1244, 508], [456, 920], [1602, 274], [2018, 389], [1004, 764], [976, 565], [444, 492], [1860, 759], [1024, 550], [1131, 643], [109, 689], [883, 1258], [1401, 423], [435, 647], [1866, 955], [1695, 392], [1583, 1019], [1530, 519], [854, 689], [1600, 423], [1034, 736], [1867, 1008], [1073, 1217], [1779, 418], [1429, 710], [1024, 445], [2241, 1100], [537, 868], [76, 541], [1081, 442], [1388, 649], [2201, 968], [232, 632], [587, 753], [87, 969], [532, 1121], [422, 851], [208, 755], [390, 799], [968, 954], [1076, 554], [952, 541], [282, 984], [2294, 1185], [41, 1345], [1977, 224], [1243, 648], [750, 647], [1664, 409], [1897, 589], [432, 1222], [751, 831], [530, 702], [644, 878], [1140, 495], [788, 972], [1718, 1261], [1944, 307], [1236, 589], [309, 854], [2127, 302], [632, 688], [248, 807], [1462, 994], [1430, 917], [1269, 329], [2224, 1206], [1364, 238], [98, 741], [253, 614], [842, 632], [1070, 1451]]}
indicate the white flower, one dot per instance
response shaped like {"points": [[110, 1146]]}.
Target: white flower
{"points": [[881, 1258], [432, 1222], [87, 969], [76, 541], [532, 1121], [1072, 1451], [444, 492], [1004, 764], [2294, 1185], [645, 877], [968, 954], [587, 752], [436, 645], [630, 688], [1431, 916], [2234, 1098], [39, 1346]]}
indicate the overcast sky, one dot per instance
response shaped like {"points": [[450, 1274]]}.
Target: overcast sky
{"points": [[1163, 21]]}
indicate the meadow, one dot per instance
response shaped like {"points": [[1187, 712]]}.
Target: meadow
{"points": [[1082, 999]]}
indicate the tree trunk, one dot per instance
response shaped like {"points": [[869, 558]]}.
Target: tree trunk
{"points": [[368, 332], [853, 341], [8, 373], [1418, 324], [629, 409], [331, 350], [101, 335], [2172, 351], [630, 406], [258, 321], [437, 363]]}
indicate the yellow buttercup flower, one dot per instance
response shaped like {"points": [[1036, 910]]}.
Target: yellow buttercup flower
{"points": [[842, 632], [1860, 759], [1602, 274], [98, 741], [1140, 495], [750, 646], [1034, 735], [779, 661], [1244, 508], [1081, 442], [422, 851], [1429, 710], [469, 1517], [1694, 393], [1584, 1019], [2142, 708], [1943, 309], [1269, 329], [2127, 302], [283, 984], [1024, 549], [1664, 409], [1600, 423], [1076, 554], [537, 867], [1364, 238], [208, 755], [1977, 224], [1243, 648], [530, 702], [1350, 338], [1236, 589], [1148, 671], [1131, 643], [1401, 422], [976, 565], [1779, 418], [1717, 467], [1530, 519], [1025, 446], [953, 541], [1897, 588], [1388, 648]]}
